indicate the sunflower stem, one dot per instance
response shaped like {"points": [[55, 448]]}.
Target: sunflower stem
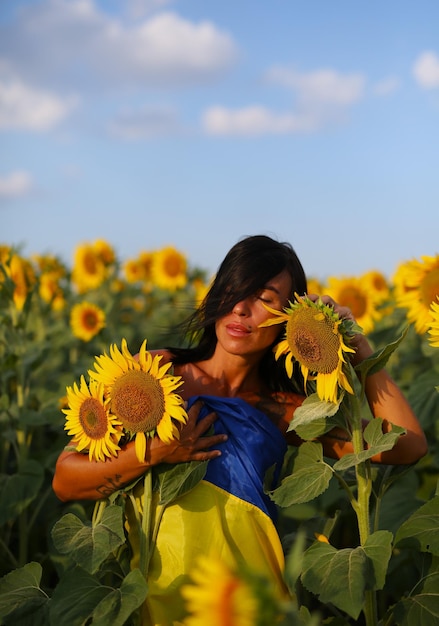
{"points": [[145, 547], [362, 504]]}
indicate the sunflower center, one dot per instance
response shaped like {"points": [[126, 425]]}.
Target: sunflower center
{"points": [[429, 288], [355, 300], [313, 341], [138, 401], [93, 418], [89, 319], [90, 263], [173, 265]]}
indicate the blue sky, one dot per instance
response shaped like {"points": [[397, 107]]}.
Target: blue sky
{"points": [[191, 123]]}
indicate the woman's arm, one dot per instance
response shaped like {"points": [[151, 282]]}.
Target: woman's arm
{"points": [[78, 478]]}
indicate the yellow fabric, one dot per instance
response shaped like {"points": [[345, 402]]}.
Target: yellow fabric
{"points": [[207, 520]]}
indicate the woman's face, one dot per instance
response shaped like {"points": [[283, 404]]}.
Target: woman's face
{"points": [[238, 332]]}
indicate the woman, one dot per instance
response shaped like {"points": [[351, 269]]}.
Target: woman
{"points": [[232, 381]]}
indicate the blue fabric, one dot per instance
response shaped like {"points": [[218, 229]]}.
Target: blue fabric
{"points": [[254, 446]]}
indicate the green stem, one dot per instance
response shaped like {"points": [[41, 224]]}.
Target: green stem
{"points": [[362, 503], [145, 548]]}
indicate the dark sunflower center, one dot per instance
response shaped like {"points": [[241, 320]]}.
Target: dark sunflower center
{"points": [[90, 263], [89, 320], [355, 300], [312, 341], [430, 287], [138, 401], [173, 265], [93, 418]]}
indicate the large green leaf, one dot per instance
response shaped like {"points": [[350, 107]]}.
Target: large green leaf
{"points": [[377, 442], [378, 360], [120, 603], [309, 478], [88, 545], [338, 577], [176, 480], [378, 548], [422, 607], [421, 530], [19, 490], [22, 601], [312, 409], [75, 598]]}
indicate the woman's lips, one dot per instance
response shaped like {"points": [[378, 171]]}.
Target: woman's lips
{"points": [[237, 330]]}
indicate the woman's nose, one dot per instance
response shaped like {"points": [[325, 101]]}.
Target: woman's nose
{"points": [[241, 308]]}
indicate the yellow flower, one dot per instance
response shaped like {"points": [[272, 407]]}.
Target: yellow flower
{"points": [[104, 251], [89, 270], [434, 325], [86, 320], [89, 422], [357, 295], [315, 338], [421, 281], [218, 597], [21, 272], [169, 269], [141, 394], [377, 283], [314, 286], [51, 291]]}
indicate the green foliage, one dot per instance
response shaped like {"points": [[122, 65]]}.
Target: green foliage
{"points": [[63, 564]]}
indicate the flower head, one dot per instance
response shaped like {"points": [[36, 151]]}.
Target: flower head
{"points": [[421, 288], [218, 596], [314, 337], [169, 269], [89, 421], [141, 394], [434, 324], [86, 320], [357, 294]]}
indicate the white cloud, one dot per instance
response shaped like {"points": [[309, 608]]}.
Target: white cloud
{"points": [[252, 121], [15, 184], [387, 86], [145, 123], [25, 108], [73, 42], [321, 98], [322, 87], [426, 70]]}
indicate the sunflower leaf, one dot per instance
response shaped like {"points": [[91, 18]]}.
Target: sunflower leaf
{"points": [[377, 442], [337, 576], [378, 360], [120, 603], [310, 477], [21, 596], [174, 481], [422, 608], [89, 546], [420, 530], [312, 409]]}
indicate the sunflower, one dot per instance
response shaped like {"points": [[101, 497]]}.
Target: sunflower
{"points": [[89, 270], [218, 596], [434, 324], [421, 280], [89, 422], [356, 294], [169, 269], [22, 273], [141, 394], [315, 338], [86, 320]]}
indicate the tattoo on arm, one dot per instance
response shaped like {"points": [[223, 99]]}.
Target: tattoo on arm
{"points": [[112, 484]]}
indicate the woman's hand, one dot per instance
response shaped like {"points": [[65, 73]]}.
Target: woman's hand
{"points": [[193, 444]]}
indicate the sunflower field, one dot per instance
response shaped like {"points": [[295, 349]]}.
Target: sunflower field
{"points": [[67, 563]]}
